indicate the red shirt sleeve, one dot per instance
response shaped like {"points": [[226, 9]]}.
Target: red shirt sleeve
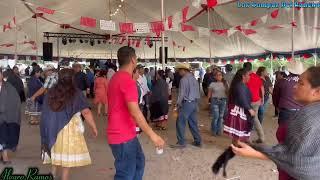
{"points": [[129, 89]]}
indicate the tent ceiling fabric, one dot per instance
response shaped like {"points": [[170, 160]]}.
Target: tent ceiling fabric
{"points": [[222, 17]]}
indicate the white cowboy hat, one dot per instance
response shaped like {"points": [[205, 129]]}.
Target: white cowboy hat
{"points": [[183, 66], [48, 67], [296, 67]]}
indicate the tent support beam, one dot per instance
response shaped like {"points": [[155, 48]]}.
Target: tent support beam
{"points": [[162, 35]]}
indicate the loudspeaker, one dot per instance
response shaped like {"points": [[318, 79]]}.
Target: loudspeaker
{"points": [[165, 55], [47, 51]]}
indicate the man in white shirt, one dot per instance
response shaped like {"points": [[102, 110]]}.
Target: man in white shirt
{"points": [[110, 73], [145, 89]]}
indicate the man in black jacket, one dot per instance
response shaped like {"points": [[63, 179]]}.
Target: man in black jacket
{"points": [[81, 79]]}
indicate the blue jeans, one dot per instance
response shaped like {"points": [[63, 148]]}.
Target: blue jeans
{"points": [[218, 107], [188, 113], [262, 109], [129, 160]]}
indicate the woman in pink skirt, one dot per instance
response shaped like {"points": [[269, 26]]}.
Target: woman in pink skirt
{"points": [[100, 89], [239, 120]]}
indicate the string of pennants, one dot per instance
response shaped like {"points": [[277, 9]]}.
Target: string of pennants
{"points": [[175, 22], [32, 43]]}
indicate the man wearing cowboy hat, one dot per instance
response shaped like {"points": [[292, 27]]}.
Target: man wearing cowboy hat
{"points": [[187, 103], [283, 99], [51, 80]]}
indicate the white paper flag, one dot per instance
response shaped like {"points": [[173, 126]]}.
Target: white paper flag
{"points": [[203, 32], [141, 28], [231, 31], [264, 19], [176, 20], [196, 3], [107, 25], [246, 25]]}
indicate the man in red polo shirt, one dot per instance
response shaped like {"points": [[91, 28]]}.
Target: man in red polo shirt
{"points": [[123, 116], [256, 88]]}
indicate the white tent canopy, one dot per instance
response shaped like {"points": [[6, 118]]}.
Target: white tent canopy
{"points": [[224, 16]]}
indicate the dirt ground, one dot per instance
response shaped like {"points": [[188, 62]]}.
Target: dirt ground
{"points": [[190, 163]]}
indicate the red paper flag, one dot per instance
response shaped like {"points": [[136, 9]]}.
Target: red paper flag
{"points": [[170, 22], [138, 43], [185, 11], [185, 27], [212, 3], [6, 27], [122, 40], [88, 22], [275, 13], [157, 27], [45, 10], [261, 59], [254, 22], [307, 56], [148, 40], [298, 8], [239, 28], [294, 24], [223, 32], [126, 28], [275, 27], [249, 31], [6, 45]]}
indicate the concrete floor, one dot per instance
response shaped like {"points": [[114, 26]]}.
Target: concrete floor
{"points": [[188, 164]]}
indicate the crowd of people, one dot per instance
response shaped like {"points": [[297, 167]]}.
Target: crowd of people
{"points": [[137, 99]]}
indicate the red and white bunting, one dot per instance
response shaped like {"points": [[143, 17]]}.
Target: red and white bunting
{"points": [[249, 31], [185, 27], [11, 24], [123, 39], [157, 27], [138, 43], [254, 22], [222, 32], [185, 11], [6, 45], [275, 13], [212, 3], [45, 10], [275, 27], [148, 41], [170, 21]]}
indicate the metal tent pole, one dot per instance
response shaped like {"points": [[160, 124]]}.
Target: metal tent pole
{"points": [[162, 35]]}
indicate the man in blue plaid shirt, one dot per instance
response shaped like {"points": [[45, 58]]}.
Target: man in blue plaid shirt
{"points": [[50, 81]]}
